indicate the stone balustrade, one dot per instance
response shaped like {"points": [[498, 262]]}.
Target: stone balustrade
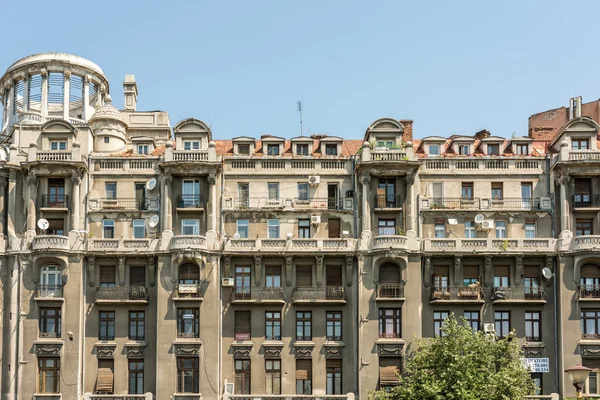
{"points": [[289, 245], [541, 245], [124, 245], [50, 242]]}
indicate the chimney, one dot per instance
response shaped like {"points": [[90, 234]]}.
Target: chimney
{"points": [[131, 91], [577, 107], [571, 108], [407, 135]]}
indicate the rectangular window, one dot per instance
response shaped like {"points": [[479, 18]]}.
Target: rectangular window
{"points": [[188, 323], [242, 282], [493, 149], [273, 149], [500, 229], [139, 228], [50, 321], [273, 376], [242, 228], [385, 143], [142, 149], [107, 276], [466, 191], [580, 144], [302, 149], [58, 145], [440, 229], [333, 277], [111, 190], [438, 321], [470, 229], [533, 326], [472, 318], [389, 323], [242, 376], [243, 195], [107, 325], [106, 139], [304, 376], [501, 276], [537, 381], [191, 145], [241, 326], [522, 149], [590, 324], [137, 276], [273, 190], [303, 276], [190, 194], [464, 149], [137, 327], [272, 325], [331, 149], [188, 375], [190, 227], [440, 279], [302, 190], [108, 228], [502, 323], [434, 149], [304, 228], [386, 226], [530, 229], [244, 149], [334, 325], [49, 374], [56, 193], [273, 276], [497, 191], [583, 227], [303, 325], [333, 370], [136, 376], [470, 275], [389, 369], [273, 228], [56, 227]]}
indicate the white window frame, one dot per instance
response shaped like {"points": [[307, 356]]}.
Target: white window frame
{"points": [[58, 144], [143, 149], [244, 224], [191, 145], [470, 230], [193, 223], [106, 191], [108, 223], [439, 229], [500, 229], [275, 145], [273, 223], [436, 146], [304, 184], [269, 191], [139, 224], [530, 229], [298, 145], [464, 149]]}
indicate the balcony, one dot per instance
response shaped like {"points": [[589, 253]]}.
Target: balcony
{"points": [[191, 202], [387, 241], [506, 294], [390, 202], [289, 245], [54, 155], [116, 165], [89, 396], [583, 155], [390, 291], [326, 295], [49, 292], [457, 294], [122, 294], [55, 202], [527, 246], [264, 295], [188, 242], [585, 200], [506, 203], [124, 204], [50, 243], [189, 292], [290, 204], [511, 166], [589, 292], [188, 335], [190, 155], [123, 245], [582, 243]]}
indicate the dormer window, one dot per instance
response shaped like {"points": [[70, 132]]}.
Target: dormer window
{"points": [[385, 143], [331, 149], [493, 149], [522, 149], [58, 145], [273, 149], [302, 149], [191, 145], [580, 144], [434, 149], [244, 149], [463, 149], [142, 149]]}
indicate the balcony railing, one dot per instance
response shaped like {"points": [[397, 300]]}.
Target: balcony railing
{"points": [[388, 201], [55, 201], [258, 294], [54, 155], [88, 396], [589, 242], [476, 203], [317, 203], [190, 155], [292, 245], [590, 336], [515, 203], [453, 203], [390, 291], [190, 201], [122, 293], [582, 200], [493, 245], [458, 293], [188, 291], [584, 155], [52, 242], [336, 293], [290, 203], [50, 291], [188, 335], [122, 203], [589, 291], [518, 293]]}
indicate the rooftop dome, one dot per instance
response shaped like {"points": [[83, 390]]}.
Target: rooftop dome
{"points": [[108, 112], [59, 58]]}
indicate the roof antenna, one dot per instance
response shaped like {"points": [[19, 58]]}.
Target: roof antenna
{"points": [[299, 103]]}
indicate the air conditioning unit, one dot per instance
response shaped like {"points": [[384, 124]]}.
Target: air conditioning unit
{"points": [[229, 387], [545, 203], [487, 224], [489, 328], [314, 180], [315, 219], [227, 282]]}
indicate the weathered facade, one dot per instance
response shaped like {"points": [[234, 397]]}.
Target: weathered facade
{"points": [[156, 262]]}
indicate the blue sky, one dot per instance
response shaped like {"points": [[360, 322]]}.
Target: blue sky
{"points": [[451, 66]]}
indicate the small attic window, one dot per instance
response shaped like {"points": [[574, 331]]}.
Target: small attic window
{"points": [[191, 145], [106, 139], [580, 144], [493, 149], [142, 148], [464, 149], [434, 149], [302, 149], [522, 149], [331, 149], [244, 149], [273, 149]]}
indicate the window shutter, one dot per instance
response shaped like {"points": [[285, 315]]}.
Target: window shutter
{"points": [[590, 271], [105, 380], [583, 186], [303, 369], [388, 367], [303, 275], [189, 272], [334, 363], [470, 272], [501, 270], [440, 270], [593, 363], [107, 274], [381, 197], [389, 273], [532, 272], [333, 227], [334, 275], [137, 276], [273, 270], [242, 322]]}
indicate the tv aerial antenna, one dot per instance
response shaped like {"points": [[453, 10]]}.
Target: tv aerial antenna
{"points": [[299, 103]]}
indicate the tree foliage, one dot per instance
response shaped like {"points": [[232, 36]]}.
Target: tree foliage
{"points": [[462, 365]]}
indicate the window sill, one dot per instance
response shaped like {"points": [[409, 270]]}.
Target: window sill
{"points": [[48, 341], [390, 340]]}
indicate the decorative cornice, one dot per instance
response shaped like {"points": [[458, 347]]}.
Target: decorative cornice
{"points": [[391, 349], [242, 350], [135, 350], [303, 350], [50, 349], [105, 350], [272, 350], [187, 349]]}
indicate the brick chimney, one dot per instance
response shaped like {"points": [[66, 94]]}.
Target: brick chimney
{"points": [[407, 135], [482, 134], [131, 93]]}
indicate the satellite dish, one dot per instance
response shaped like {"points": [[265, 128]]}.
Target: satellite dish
{"points": [[153, 221], [479, 218], [43, 224], [151, 184], [236, 235], [547, 273]]}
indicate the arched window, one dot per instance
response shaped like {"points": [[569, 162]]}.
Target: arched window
{"points": [[590, 280], [50, 281], [389, 273], [390, 285], [189, 274]]}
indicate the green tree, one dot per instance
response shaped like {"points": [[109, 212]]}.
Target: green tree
{"points": [[462, 365]]}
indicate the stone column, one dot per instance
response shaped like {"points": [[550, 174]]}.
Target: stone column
{"points": [[86, 97], [76, 180], [66, 93], [12, 208], [10, 104], [410, 201], [26, 83], [32, 181], [2, 210], [212, 188], [44, 105], [563, 181], [167, 203], [366, 204]]}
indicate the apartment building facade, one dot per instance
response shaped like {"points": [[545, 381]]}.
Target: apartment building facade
{"points": [[143, 260]]}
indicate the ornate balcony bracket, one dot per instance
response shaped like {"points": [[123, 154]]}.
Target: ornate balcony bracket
{"points": [[272, 350], [152, 270], [288, 270], [91, 267], [121, 269], [349, 263], [135, 350], [457, 268], [319, 270], [188, 349], [303, 350], [258, 270], [488, 270], [48, 349], [427, 271], [227, 266], [519, 269], [390, 349]]}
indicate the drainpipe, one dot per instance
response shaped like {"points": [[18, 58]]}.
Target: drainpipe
{"points": [[355, 220], [81, 339]]}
